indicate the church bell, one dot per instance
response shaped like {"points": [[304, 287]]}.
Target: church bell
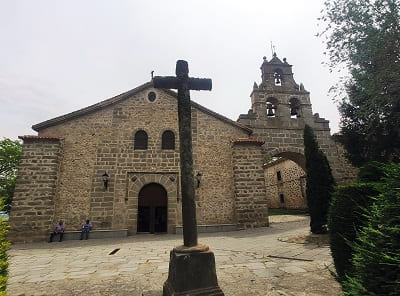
{"points": [[293, 111], [270, 110]]}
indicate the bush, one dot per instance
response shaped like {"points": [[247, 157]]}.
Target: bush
{"points": [[376, 252], [373, 171], [346, 217], [4, 246]]}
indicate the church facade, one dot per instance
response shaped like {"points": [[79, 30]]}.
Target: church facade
{"points": [[117, 162]]}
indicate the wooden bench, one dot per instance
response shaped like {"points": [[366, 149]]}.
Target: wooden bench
{"points": [[94, 234]]}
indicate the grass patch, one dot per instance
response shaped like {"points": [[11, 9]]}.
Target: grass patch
{"points": [[282, 211]]}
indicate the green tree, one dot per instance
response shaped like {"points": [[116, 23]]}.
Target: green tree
{"points": [[376, 253], [364, 37], [10, 152], [320, 182]]}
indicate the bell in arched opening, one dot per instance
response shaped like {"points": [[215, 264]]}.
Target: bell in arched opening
{"points": [[270, 110], [294, 108], [294, 111]]}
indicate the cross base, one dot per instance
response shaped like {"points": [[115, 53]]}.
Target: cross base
{"points": [[192, 272]]}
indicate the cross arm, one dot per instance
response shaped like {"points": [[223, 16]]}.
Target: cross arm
{"points": [[200, 83], [171, 82], [168, 82]]}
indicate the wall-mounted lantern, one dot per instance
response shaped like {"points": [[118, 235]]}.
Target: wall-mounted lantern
{"points": [[105, 180], [198, 178]]}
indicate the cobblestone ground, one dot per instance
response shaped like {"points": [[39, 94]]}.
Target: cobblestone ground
{"points": [[252, 262]]}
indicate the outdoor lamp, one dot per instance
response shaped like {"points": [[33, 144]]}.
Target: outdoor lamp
{"points": [[198, 178], [105, 180]]}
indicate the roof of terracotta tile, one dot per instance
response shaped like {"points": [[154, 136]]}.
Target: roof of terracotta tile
{"points": [[25, 137], [249, 140], [124, 96]]}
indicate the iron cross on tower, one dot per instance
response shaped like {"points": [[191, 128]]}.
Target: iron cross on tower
{"points": [[183, 83]]}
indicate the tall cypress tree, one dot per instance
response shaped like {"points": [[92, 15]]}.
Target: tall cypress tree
{"points": [[320, 182]]}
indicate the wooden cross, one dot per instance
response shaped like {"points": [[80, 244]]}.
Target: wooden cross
{"points": [[183, 83]]}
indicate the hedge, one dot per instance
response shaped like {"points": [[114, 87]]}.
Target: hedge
{"points": [[376, 252], [346, 217]]}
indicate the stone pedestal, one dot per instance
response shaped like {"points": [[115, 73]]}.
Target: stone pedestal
{"points": [[192, 272]]}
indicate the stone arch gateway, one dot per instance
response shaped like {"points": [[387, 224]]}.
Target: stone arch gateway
{"points": [[142, 185]]}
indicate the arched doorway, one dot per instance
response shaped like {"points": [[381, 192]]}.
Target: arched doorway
{"points": [[285, 180], [152, 209]]}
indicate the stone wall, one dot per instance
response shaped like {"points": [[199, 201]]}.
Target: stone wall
{"points": [[212, 150], [250, 193], [103, 141], [291, 184], [288, 142], [32, 211], [348, 172], [82, 137]]}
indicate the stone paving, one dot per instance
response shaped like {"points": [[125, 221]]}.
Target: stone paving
{"points": [[261, 261]]}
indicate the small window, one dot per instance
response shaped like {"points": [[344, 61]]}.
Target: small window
{"points": [[140, 140], [279, 175], [168, 140], [282, 198], [152, 96]]}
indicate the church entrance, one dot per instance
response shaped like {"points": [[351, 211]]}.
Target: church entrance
{"points": [[152, 209]]}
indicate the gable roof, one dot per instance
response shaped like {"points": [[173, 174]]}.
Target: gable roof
{"points": [[124, 96]]}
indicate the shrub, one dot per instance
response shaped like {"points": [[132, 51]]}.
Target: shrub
{"points": [[372, 171], [376, 252], [4, 246], [320, 182], [346, 217]]}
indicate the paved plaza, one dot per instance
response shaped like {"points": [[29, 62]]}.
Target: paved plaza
{"points": [[266, 261]]}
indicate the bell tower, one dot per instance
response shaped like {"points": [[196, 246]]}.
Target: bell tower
{"points": [[280, 108], [278, 101]]}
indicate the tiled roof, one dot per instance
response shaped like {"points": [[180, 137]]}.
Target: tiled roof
{"points": [[25, 137], [126, 95]]}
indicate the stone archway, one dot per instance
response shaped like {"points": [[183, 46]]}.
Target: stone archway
{"points": [[152, 209], [295, 154], [137, 182], [285, 178]]}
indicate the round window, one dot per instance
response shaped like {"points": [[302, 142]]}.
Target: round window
{"points": [[151, 96]]}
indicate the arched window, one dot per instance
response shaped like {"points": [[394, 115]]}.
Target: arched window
{"points": [[272, 106], [141, 140], [168, 140], [278, 77], [294, 108]]}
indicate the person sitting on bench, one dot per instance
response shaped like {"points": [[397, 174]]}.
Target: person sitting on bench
{"points": [[58, 229], [85, 229]]}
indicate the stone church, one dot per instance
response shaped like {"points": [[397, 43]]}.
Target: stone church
{"points": [[117, 162]]}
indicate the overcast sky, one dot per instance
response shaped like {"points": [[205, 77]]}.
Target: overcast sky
{"points": [[60, 56]]}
